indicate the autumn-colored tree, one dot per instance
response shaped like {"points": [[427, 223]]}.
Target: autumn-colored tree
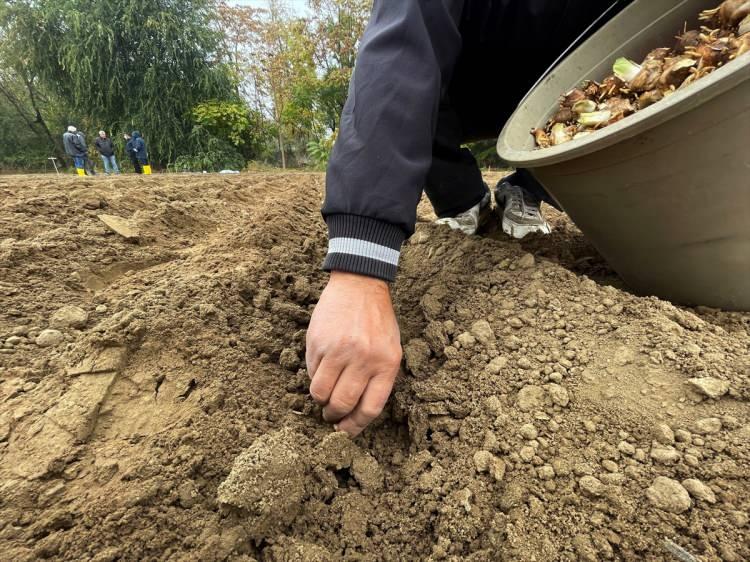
{"points": [[295, 70], [239, 28], [337, 26], [285, 60]]}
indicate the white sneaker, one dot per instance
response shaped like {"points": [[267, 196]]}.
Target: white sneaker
{"points": [[521, 212], [469, 221]]}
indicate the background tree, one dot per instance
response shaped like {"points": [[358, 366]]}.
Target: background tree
{"points": [[124, 64], [337, 26], [238, 27], [27, 141]]}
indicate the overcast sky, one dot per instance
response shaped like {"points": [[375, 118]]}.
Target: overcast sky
{"points": [[297, 6]]}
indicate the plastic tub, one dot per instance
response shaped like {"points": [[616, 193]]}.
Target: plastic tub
{"points": [[664, 194]]}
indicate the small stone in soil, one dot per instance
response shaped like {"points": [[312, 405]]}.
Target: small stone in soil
{"points": [[709, 386], [496, 365], [528, 432], [559, 395], [546, 472], [527, 261], [664, 455], [591, 486], [530, 398], [683, 436], [668, 495], [69, 317], [699, 490], [739, 518], [483, 332], [706, 426], [527, 454], [49, 338], [663, 434], [626, 448]]}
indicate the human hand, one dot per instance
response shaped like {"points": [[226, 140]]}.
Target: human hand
{"points": [[353, 350]]}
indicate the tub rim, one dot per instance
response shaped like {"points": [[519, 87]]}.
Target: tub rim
{"points": [[682, 101]]}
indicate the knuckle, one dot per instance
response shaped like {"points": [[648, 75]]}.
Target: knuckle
{"points": [[390, 359], [315, 345], [371, 411], [317, 397], [351, 394], [395, 356], [318, 393], [342, 404]]}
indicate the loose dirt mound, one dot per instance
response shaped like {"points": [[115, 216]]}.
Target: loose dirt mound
{"points": [[154, 399]]}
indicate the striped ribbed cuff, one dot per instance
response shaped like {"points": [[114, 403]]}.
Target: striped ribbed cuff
{"points": [[363, 245]]}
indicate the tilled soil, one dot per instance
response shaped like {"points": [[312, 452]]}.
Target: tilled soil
{"points": [[154, 402]]}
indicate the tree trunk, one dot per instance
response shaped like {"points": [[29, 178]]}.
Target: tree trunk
{"points": [[59, 153], [16, 103], [281, 148]]}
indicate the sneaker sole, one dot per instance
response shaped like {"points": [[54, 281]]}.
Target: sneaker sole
{"points": [[519, 231]]}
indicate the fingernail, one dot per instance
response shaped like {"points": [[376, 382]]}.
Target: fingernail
{"points": [[335, 427]]}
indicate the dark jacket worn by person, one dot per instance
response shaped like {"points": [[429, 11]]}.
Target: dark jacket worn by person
{"points": [[104, 146], [130, 150], [139, 147], [74, 145], [417, 56], [82, 142]]}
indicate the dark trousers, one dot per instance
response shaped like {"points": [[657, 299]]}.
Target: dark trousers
{"points": [[136, 165], [507, 46], [88, 165]]}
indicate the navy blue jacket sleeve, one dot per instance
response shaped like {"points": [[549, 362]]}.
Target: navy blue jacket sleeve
{"points": [[384, 149]]}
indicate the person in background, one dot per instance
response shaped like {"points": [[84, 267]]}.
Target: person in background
{"points": [[130, 149], [139, 147], [88, 164], [75, 146], [107, 151]]}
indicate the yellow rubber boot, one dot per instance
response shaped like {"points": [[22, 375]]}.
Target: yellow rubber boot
{"points": [[147, 169], [80, 171]]}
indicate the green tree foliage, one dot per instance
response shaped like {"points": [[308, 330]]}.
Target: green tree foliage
{"points": [[319, 151], [224, 119], [21, 147], [25, 108], [337, 26], [207, 82], [209, 153], [124, 64]]}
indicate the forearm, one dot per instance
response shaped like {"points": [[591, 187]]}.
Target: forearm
{"points": [[384, 150]]}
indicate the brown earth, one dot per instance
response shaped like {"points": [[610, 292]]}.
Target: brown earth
{"points": [[544, 413]]}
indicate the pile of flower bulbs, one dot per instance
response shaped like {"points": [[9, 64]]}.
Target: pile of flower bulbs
{"points": [[723, 37]]}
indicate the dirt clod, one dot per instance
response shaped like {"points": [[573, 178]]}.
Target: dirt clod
{"points": [[711, 387], [699, 490], [591, 486], [49, 338], [69, 317], [668, 495], [267, 482], [706, 426]]}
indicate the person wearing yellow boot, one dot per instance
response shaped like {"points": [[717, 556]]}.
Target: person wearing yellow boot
{"points": [[76, 148], [139, 148], [131, 153]]}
